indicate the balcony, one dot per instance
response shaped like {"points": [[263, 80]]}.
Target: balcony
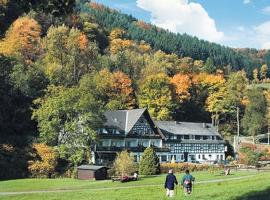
{"points": [[132, 149]]}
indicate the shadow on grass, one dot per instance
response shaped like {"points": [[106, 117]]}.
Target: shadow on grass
{"points": [[255, 195]]}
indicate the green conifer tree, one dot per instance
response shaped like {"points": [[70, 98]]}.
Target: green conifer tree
{"points": [[149, 164]]}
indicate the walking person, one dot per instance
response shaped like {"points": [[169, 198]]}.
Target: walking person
{"points": [[187, 182], [169, 183]]}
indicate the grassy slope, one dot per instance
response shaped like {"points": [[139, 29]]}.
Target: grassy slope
{"points": [[232, 189]]}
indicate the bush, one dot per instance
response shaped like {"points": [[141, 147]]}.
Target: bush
{"points": [[181, 167], [124, 164], [149, 163], [44, 161], [250, 154]]}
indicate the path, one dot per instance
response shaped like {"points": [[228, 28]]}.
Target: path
{"points": [[113, 188]]}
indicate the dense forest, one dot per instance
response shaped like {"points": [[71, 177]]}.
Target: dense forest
{"points": [[63, 63]]}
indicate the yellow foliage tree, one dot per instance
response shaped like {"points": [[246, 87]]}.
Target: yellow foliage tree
{"points": [[210, 81], [255, 76], [264, 70], [124, 164], [45, 160], [22, 40], [181, 84]]}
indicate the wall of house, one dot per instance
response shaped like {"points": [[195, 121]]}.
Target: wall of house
{"points": [[131, 142]]}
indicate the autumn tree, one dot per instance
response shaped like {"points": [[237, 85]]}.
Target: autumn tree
{"points": [[113, 89], [22, 40], [122, 90], [124, 164], [44, 161], [155, 94], [161, 62], [263, 72], [117, 41], [254, 120], [181, 85], [212, 89], [218, 105], [69, 55], [255, 76]]}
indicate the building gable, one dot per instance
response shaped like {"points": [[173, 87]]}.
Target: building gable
{"points": [[132, 122]]}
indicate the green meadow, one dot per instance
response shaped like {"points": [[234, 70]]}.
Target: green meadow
{"points": [[237, 186]]}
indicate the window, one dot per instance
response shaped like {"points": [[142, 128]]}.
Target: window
{"points": [[217, 157], [104, 131], [145, 143], [182, 157], [128, 144], [199, 156], [197, 137], [203, 156], [186, 137], [221, 157], [163, 158]]}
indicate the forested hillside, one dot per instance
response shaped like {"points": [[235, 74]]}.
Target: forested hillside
{"points": [[64, 63], [181, 44]]}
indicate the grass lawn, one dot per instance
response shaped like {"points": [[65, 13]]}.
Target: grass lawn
{"points": [[252, 186]]}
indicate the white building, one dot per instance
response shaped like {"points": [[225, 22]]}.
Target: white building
{"points": [[134, 130]]}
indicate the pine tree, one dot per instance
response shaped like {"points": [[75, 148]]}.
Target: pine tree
{"points": [[149, 163]]}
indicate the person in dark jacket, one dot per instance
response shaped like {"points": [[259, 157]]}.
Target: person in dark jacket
{"points": [[169, 183], [187, 181]]}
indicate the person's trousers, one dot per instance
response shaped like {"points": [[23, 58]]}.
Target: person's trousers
{"points": [[170, 193]]}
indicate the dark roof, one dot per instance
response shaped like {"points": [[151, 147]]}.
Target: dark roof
{"points": [[90, 167], [123, 119], [187, 128]]}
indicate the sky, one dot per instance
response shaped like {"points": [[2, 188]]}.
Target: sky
{"points": [[234, 23]]}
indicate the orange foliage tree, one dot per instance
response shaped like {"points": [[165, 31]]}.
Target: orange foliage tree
{"points": [[22, 40], [122, 86], [45, 160], [181, 85], [116, 89]]}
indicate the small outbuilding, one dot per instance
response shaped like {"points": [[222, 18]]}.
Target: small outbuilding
{"points": [[91, 172]]}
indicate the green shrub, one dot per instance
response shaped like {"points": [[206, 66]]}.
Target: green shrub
{"points": [[149, 163]]}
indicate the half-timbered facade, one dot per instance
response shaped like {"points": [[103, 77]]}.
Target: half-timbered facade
{"points": [[191, 142], [134, 130]]}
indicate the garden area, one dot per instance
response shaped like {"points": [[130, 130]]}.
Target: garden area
{"points": [[208, 185]]}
